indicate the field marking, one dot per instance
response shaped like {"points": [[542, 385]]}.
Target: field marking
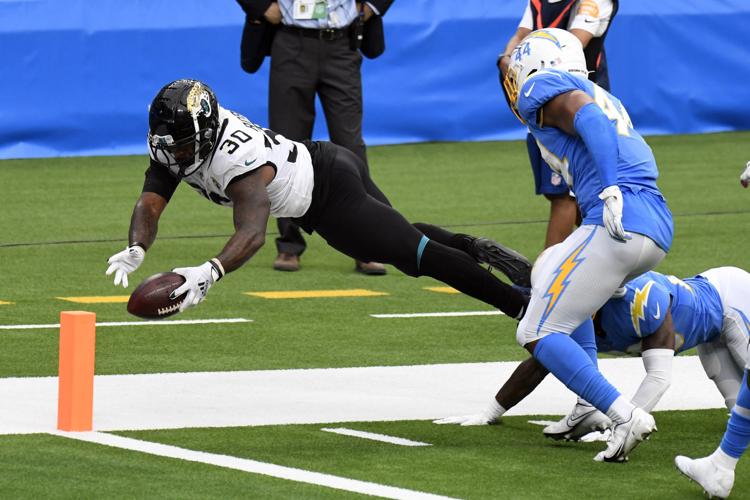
{"points": [[105, 299], [315, 294], [439, 314], [325, 397], [5, 303], [374, 436], [160, 322], [248, 465], [442, 289]]}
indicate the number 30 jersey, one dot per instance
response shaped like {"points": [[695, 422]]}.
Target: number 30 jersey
{"points": [[243, 147], [644, 211]]}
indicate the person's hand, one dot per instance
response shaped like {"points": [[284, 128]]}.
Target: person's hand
{"points": [[367, 11], [612, 214], [466, 420], [745, 176], [124, 263], [273, 13], [197, 282]]}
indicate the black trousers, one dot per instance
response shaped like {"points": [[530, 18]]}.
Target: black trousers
{"points": [[302, 68], [353, 215]]}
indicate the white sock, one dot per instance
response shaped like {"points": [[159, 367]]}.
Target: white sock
{"points": [[621, 410], [723, 460], [494, 411]]}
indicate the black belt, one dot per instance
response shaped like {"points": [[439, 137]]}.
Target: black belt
{"points": [[324, 34]]}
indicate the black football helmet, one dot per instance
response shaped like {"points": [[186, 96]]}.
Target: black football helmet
{"points": [[183, 122]]}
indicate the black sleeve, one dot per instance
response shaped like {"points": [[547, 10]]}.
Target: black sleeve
{"points": [[255, 8], [160, 181], [381, 5]]}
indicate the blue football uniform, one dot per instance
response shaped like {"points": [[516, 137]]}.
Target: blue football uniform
{"points": [[645, 210], [697, 312]]}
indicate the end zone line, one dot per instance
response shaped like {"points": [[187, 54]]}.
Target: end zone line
{"points": [[248, 465], [439, 314], [374, 436], [134, 323]]}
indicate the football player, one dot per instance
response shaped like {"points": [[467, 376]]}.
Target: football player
{"points": [[745, 176], [323, 187], [585, 134], [656, 316]]}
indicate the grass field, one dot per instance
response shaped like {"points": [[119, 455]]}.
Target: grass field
{"points": [[63, 218]]}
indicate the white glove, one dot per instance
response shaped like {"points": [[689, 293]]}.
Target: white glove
{"points": [[197, 282], [745, 176], [612, 214], [465, 420], [490, 415], [124, 263]]}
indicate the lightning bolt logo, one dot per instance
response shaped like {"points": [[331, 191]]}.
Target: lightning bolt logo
{"points": [[562, 278], [546, 35], [638, 306]]}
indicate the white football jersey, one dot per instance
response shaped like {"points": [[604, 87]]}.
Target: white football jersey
{"points": [[244, 147]]}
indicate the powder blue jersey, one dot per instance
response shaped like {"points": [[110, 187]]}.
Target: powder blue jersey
{"points": [[645, 211], [697, 312]]}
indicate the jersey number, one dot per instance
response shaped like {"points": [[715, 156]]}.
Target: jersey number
{"points": [[231, 146], [613, 111]]}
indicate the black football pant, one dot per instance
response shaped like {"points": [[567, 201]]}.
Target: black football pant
{"points": [[356, 218]]}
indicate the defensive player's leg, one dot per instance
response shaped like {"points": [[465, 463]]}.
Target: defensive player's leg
{"points": [[715, 473], [577, 278], [721, 368], [357, 224]]}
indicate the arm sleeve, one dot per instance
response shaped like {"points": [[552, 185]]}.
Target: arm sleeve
{"points": [[592, 16], [380, 7], [160, 181], [526, 21], [658, 364], [600, 138]]}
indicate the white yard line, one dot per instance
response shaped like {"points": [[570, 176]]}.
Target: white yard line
{"points": [[322, 396], [160, 322], [252, 466], [374, 437], [439, 314]]}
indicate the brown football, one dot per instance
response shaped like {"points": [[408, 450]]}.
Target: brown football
{"points": [[150, 300]]}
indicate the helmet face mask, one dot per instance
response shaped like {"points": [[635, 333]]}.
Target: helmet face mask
{"points": [[183, 123], [543, 49]]}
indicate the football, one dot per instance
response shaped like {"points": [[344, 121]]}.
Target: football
{"points": [[150, 300]]}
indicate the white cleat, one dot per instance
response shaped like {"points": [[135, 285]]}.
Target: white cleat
{"points": [[716, 481], [582, 420], [626, 436]]}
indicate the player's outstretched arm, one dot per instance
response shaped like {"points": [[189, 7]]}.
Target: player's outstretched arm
{"points": [[657, 352], [524, 379], [143, 226], [251, 210]]}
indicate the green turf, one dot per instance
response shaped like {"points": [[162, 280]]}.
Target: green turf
{"points": [[62, 218], [481, 188], [511, 460]]}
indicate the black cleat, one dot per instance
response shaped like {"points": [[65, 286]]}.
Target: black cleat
{"points": [[511, 263]]}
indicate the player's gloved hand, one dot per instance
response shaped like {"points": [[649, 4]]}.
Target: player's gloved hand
{"points": [[466, 420], [197, 282], [745, 176], [612, 197], [124, 263], [490, 415]]}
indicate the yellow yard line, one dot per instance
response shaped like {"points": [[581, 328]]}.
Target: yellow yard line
{"points": [[314, 294], [441, 289], [112, 299], [5, 303]]}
